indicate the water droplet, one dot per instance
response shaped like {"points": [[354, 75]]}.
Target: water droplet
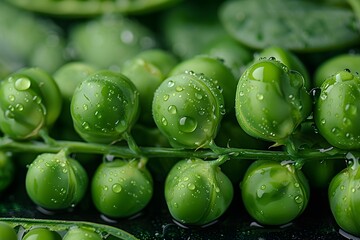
{"points": [[9, 114], [191, 186], [116, 188], [179, 88], [164, 121], [22, 84], [172, 109], [298, 199], [198, 96], [259, 96], [11, 98], [175, 205], [187, 124], [166, 97], [170, 84], [85, 107], [85, 125], [335, 131]]}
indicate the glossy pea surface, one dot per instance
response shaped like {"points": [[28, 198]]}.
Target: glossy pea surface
{"points": [[271, 101], [41, 234], [7, 232], [81, 234], [274, 193], [188, 108], [121, 189], [336, 110], [197, 192], [104, 106]]}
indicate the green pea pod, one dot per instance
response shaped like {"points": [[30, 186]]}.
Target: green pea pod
{"points": [[7, 171], [271, 101], [41, 233], [335, 112], [274, 193], [30, 101], [121, 188], [216, 70], [187, 108], [72, 228], [104, 107], [197, 192], [344, 197], [147, 70], [56, 181], [7, 232]]}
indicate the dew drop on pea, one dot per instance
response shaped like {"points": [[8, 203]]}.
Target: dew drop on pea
{"points": [[11, 98], [166, 97], [164, 121], [22, 84], [187, 124], [172, 109], [298, 199], [9, 114], [117, 188], [85, 125], [170, 84], [191, 186]]}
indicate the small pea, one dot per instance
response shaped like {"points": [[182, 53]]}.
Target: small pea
{"points": [[7, 232], [81, 234], [41, 234]]}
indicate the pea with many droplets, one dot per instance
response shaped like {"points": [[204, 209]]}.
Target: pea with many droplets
{"points": [[188, 108]]}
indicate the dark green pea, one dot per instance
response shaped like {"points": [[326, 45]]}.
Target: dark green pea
{"points": [[216, 70], [7, 232], [41, 234], [121, 188], [30, 101], [288, 58], [271, 101], [69, 75], [56, 181], [7, 171], [274, 193], [147, 70], [81, 234], [197, 192], [108, 41], [335, 112], [104, 107], [187, 108], [334, 65], [344, 198]]}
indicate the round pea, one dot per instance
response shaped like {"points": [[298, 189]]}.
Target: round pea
{"points": [[41, 234], [274, 193], [82, 234], [121, 188], [188, 108], [56, 181], [7, 232]]}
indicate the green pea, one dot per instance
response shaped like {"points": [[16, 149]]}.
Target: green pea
{"points": [[7, 232], [7, 171], [197, 192], [81, 234], [271, 101], [216, 70], [274, 193], [187, 108], [30, 101], [104, 107], [56, 181], [147, 70], [344, 198], [121, 188], [335, 112], [335, 64], [41, 234]]}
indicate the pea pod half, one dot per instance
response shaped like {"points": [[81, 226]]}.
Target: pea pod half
{"points": [[336, 110], [104, 107], [271, 101], [30, 101], [274, 193], [188, 108], [197, 192]]}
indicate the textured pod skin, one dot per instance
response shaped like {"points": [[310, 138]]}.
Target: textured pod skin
{"points": [[41, 233], [197, 192], [344, 198], [30, 100], [104, 106], [336, 110], [81, 234], [214, 69], [55, 181], [7, 232], [121, 188], [187, 108], [274, 193], [271, 101]]}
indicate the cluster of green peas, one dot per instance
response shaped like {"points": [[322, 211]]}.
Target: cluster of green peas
{"points": [[274, 101]]}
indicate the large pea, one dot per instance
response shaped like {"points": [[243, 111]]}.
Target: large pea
{"points": [[271, 101], [336, 110], [187, 108], [41, 234], [82, 233], [7, 232]]}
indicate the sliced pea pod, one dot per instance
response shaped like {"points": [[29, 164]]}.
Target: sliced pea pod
{"points": [[63, 227], [79, 8]]}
